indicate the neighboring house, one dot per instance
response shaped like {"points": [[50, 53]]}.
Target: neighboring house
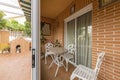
{"points": [[20, 45], [15, 39]]}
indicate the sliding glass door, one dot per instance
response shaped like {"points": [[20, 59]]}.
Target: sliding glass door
{"points": [[84, 39], [78, 31], [71, 35]]}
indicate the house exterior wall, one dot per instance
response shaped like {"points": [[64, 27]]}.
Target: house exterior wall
{"points": [[50, 37], [51, 22], [105, 35], [25, 45]]}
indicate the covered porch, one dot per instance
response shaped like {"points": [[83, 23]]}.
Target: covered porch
{"points": [[104, 33]]}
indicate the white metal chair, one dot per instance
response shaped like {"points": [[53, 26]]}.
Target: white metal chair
{"points": [[85, 73], [47, 50], [69, 55], [58, 60]]}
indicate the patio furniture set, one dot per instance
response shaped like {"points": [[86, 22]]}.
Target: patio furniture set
{"points": [[60, 54]]}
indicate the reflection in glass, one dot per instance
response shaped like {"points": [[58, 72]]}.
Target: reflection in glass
{"points": [[84, 39], [71, 34]]}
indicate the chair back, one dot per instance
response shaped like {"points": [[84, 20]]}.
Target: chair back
{"points": [[99, 62], [48, 46], [71, 48]]}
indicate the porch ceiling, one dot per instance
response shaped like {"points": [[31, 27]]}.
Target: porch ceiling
{"points": [[52, 8], [26, 7]]}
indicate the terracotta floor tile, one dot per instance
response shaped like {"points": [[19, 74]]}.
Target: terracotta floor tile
{"points": [[48, 74], [15, 66]]}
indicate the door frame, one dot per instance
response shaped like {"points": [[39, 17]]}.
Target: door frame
{"points": [[35, 25]]}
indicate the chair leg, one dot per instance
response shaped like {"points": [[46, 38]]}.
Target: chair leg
{"points": [[66, 65], [72, 77], [45, 59], [51, 64], [56, 71]]}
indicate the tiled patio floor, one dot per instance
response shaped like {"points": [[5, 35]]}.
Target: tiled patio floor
{"points": [[48, 74], [18, 67], [15, 66]]}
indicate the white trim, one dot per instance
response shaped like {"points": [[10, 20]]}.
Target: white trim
{"points": [[35, 37], [75, 41], [65, 35], [79, 13]]}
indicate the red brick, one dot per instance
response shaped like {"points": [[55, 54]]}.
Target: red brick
{"points": [[105, 36]]}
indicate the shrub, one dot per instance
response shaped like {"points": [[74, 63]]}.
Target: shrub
{"points": [[4, 47]]}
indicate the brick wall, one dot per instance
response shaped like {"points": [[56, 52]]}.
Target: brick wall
{"points": [[25, 45], [51, 22], [50, 37], [4, 36], [105, 35]]}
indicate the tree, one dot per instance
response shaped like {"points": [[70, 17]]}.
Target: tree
{"points": [[2, 20], [27, 29], [14, 25]]}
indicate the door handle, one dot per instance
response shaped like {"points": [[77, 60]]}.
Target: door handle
{"points": [[33, 58]]}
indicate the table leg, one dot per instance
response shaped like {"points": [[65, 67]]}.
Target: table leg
{"points": [[56, 71]]}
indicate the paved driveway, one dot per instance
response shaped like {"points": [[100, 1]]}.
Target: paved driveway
{"points": [[15, 66]]}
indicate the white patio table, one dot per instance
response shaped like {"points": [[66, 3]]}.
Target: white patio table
{"points": [[57, 59]]}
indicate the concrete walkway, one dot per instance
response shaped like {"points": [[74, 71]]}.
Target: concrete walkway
{"points": [[15, 66]]}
